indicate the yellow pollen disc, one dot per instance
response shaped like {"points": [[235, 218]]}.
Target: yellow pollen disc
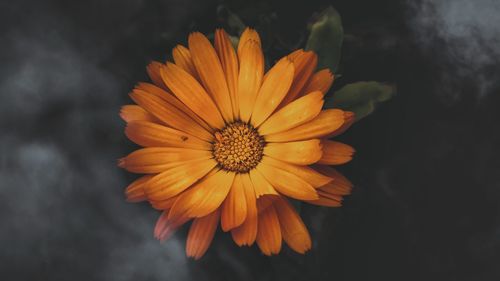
{"points": [[238, 147]]}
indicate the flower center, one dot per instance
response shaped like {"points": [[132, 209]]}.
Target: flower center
{"points": [[238, 147]]}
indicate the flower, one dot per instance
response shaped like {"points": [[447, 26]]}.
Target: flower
{"points": [[226, 141]]}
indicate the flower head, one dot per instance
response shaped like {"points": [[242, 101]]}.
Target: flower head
{"points": [[224, 141]]}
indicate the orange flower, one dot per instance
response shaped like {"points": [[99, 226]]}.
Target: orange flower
{"points": [[226, 141]]}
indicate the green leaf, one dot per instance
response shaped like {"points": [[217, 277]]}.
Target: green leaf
{"points": [[326, 39], [361, 97]]}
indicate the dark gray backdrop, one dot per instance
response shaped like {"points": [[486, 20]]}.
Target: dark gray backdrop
{"points": [[426, 201]]}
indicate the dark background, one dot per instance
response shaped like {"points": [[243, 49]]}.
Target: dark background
{"points": [[427, 181]]}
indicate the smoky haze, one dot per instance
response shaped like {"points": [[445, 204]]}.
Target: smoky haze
{"points": [[63, 208], [464, 38]]}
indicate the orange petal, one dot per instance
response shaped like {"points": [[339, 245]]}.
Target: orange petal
{"points": [[246, 233], [153, 70], [331, 194], [249, 34], [250, 78], [169, 114], [182, 58], [234, 208], [293, 114], [349, 119], [311, 176], [163, 204], [326, 122], [340, 184], [150, 134], [299, 152], [154, 160], [229, 62], [305, 63], [260, 184], [172, 100], [335, 153], [319, 81], [175, 180], [326, 201], [204, 197], [274, 88], [211, 74], [201, 234], [269, 232], [164, 227], [136, 113], [192, 94], [293, 230], [265, 201], [287, 183], [135, 190]]}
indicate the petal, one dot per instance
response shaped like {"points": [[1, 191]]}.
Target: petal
{"points": [[260, 184], [326, 201], [135, 190], [250, 78], [249, 34], [325, 123], [349, 119], [335, 153], [211, 74], [175, 180], [154, 160], [172, 100], [305, 63], [163, 204], [308, 174], [293, 114], [331, 194], [154, 69], [204, 197], [269, 232], [293, 230], [229, 62], [136, 113], [192, 94], [340, 184], [246, 233], [169, 114], [299, 152], [234, 208], [274, 88], [182, 58], [287, 183], [164, 227], [150, 134], [320, 81], [265, 201], [201, 234]]}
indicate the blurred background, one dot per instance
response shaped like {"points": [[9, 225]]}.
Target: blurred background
{"points": [[426, 202]]}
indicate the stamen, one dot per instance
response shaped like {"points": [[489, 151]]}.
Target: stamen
{"points": [[238, 147]]}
